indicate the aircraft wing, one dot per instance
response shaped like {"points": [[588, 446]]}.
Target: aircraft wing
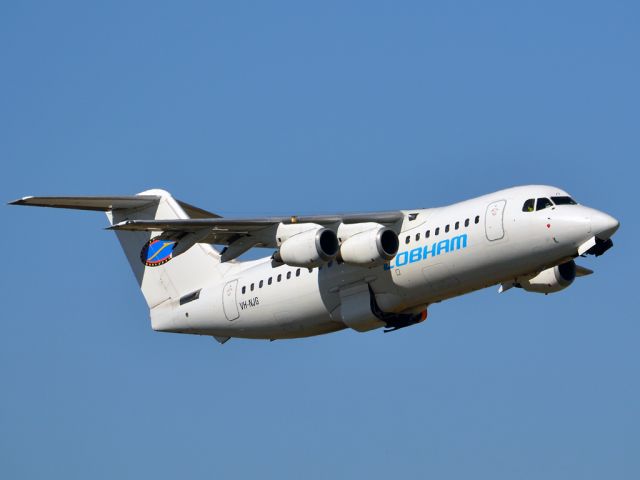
{"points": [[238, 234], [107, 203], [245, 233], [583, 271]]}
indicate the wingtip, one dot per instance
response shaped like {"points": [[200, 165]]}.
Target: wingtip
{"points": [[119, 225], [21, 201], [583, 271]]}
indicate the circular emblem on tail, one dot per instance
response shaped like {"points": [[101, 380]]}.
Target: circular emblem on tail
{"points": [[156, 252]]}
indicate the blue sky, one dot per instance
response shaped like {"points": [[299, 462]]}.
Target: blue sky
{"points": [[282, 108]]}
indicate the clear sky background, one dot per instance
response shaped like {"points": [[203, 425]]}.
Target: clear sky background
{"points": [[258, 108]]}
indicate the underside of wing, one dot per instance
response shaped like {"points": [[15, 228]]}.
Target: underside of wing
{"points": [[95, 203], [239, 235], [193, 224]]}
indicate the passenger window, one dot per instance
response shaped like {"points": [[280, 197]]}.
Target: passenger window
{"points": [[417, 237], [408, 239], [477, 218], [297, 272], [244, 289], [288, 275], [428, 234], [528, 205], [543, 203], [270, 281], [437, 231], [252, 287], [279, 277], [466, 222], [446, 229], [457, 225], [260, 284]]}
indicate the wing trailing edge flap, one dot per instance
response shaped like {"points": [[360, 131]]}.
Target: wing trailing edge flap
{"points": [[238, 247], [236, 242], [238, 238]]}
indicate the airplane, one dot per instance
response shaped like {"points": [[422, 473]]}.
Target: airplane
{"points": [[332, 272]]}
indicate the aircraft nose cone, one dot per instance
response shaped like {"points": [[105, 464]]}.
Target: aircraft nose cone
{"points": [[604, 225]]}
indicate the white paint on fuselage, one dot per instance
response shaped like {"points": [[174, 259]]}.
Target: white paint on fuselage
{"points": [[305, 304]]}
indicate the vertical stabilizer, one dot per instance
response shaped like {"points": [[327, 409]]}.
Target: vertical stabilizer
{"points": [[160, 275]]}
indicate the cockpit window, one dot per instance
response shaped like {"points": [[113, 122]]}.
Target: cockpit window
{"points": [[543, 203], [563, 201], [528, 205]]}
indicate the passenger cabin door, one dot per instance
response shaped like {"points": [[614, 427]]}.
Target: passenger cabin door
{"points": [[493, 220], [229, 300]]}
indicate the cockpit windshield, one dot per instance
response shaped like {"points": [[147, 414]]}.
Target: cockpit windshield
{"points": [[528, 205], [563, 201], [542, 203]]}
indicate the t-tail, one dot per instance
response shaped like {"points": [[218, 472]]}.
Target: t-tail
{"points": [[163, 273]]}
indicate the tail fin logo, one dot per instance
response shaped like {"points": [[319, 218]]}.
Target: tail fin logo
{"points": [[156, 252]]}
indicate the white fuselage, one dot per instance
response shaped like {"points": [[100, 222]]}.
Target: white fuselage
{"points": [[444, 252]]}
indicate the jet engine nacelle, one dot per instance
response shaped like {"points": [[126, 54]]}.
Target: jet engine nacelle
{"points": [[306, 245], [370, 247], [552, 279]]}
